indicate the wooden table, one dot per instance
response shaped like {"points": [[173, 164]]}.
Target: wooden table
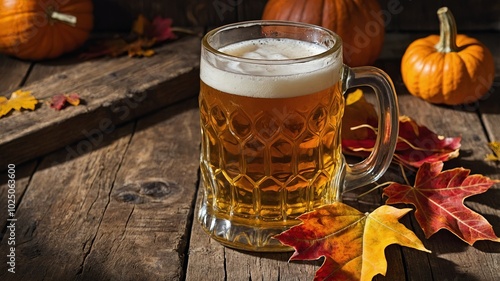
{"points": [[120, 202]]}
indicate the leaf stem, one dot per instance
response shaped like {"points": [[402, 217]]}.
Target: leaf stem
{"points": [[375, 188]]}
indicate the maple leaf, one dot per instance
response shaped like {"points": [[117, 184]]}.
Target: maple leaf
{"points": [[22, 99], [18, 100], [439, 196], [416, 144], [495, 146], [59, 101], [351, 242]]}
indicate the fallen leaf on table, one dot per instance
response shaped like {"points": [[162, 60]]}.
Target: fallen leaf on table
{"points": [[495, 146], [439, 200], [416, 144], [351, 242], [60, 101], [18, 100]]}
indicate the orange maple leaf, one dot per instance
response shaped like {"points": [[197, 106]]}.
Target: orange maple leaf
{"points": [[439, 197], [351, 242]]}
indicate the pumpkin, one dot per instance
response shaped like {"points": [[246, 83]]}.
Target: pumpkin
{"points": [[37, 29], [449, 69], [359, 23]]}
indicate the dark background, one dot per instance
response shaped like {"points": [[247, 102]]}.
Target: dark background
{"points": [[415, 15]]}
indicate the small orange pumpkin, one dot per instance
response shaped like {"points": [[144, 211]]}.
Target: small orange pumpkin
{"points": [[35, 29], [359, 23], [448, 69]]}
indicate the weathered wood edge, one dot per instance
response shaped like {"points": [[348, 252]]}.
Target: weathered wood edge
{"points": [[113, 90]]}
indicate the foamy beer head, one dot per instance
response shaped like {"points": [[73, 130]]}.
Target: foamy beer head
{"points": [[272, 67]]}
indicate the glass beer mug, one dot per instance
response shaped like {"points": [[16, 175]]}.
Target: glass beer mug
{"points": [[271, 106]]}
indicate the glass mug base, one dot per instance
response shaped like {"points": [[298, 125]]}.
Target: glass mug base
{"points": [[241, 236]]}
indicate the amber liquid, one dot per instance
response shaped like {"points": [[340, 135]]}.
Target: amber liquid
{"points": [[265, 161]]}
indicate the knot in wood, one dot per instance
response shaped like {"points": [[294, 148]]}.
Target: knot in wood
{"points": [[156, 189], [147, 191]]}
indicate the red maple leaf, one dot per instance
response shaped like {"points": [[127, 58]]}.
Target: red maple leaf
{"points": [[439, 196]]}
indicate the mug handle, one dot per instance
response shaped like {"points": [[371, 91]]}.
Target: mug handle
{"points": [[373, 167]]}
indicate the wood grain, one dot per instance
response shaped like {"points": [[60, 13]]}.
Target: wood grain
{"points": [[61, 211]]}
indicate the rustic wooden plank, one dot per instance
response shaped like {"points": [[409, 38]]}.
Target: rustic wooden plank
{"points": [[61, 211], [114, 91], [144, 229], [12, 74]]}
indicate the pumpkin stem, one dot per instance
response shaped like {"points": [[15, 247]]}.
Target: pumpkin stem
{"points": [[64, 18], [448, 31]]}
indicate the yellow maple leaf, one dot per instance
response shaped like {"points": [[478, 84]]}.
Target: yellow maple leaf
{"points": [[495, 146], [22, 99], [18, 100]]}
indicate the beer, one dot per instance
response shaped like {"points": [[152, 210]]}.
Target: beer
{"points": [[270, 139]]}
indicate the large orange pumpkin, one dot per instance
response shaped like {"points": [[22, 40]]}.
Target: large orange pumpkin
{"points": [[449, 69], [38, 29], [359, 23]]}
